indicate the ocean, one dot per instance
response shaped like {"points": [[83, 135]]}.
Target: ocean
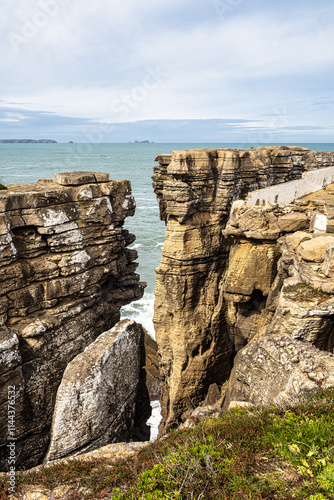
{"points": [[25, 163]]}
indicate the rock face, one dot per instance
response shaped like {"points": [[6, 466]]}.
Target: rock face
{"points": [[277, 369], [96, 399], [65, 273], [206, 308]]}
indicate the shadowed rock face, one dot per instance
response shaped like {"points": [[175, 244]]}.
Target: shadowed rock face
{"points": [[65, 273], [198, 331]]}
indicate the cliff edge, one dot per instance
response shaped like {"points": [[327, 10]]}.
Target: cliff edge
{"points": [[66, 270]]}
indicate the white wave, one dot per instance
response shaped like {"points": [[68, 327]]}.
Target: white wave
{"points": [[136, 245], [159, 245], [141, 312], [148, 208], [155, 419]]}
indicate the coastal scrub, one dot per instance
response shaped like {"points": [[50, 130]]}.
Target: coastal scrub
{"points": [[259, 453]]}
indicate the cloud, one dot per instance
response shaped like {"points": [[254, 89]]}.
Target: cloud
{"points": [[232, 59]]}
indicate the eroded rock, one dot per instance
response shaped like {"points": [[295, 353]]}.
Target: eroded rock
{"points": [[277, 369], [96, 399], [205, 308], [65, 272]]}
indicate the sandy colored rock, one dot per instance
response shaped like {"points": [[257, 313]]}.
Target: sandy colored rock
{"points": [[276, 369], [315, 250], [293, 222], [328, 265], [251, 266], [295, 239], [197, 332], [77, 178]]}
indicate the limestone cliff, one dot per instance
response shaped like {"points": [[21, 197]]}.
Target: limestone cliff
{"points": [[200, 324], [65, 273]]}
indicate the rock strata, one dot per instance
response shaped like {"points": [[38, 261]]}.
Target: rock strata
{"points": [[65, 273], [211, 302]]}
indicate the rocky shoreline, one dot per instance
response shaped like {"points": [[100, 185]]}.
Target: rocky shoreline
{"points": [[244, 299]]}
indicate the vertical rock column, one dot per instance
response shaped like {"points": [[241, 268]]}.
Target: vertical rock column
{"points": [[195, 190]]}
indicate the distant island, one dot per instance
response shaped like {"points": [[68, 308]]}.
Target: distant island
{"points": [[141, 142], [27, 141]]}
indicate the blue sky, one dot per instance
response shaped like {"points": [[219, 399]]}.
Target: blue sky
{"points": [[119, 70]]}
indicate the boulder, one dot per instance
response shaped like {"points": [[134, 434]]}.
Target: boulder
{"points": [[65, 273], [315, 250], [96, 399], [289, 223]]}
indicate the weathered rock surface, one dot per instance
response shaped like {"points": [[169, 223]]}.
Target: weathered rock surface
{"points": [[290, 350], [277, 369], [96, 399], [65, 272], [205, 310]]}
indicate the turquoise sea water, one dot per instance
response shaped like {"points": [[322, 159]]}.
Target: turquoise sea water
{"points": [[21, 163]]}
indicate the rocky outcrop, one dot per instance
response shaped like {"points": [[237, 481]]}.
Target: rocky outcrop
{"points": [[97, 396], [277, 369], [65, 273], [291, 348], [205, 308]]}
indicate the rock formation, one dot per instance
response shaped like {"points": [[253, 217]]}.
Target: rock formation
{"points": [[96, 399], [65, 273], [210, 301]]}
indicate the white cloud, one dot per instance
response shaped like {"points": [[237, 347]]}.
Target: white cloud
{"points": [[86, 56]]}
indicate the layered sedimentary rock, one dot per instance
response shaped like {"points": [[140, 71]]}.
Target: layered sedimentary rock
{"points": [[65, 273], [291, 348], [201, 324]]}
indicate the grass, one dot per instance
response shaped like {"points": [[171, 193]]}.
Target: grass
{"points": [[254, 454], [2, 186]]}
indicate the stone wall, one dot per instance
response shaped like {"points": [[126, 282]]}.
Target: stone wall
{"points": [[192, 318], [66, 270]]}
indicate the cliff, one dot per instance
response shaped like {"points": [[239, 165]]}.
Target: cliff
{"points": [[65, 273], [213, 293]]}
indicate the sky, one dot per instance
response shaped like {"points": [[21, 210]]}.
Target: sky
{"points": [[167, 70]]}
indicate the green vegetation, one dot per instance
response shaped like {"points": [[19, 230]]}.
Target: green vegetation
{"points": [[2, 186], [253, 454]]}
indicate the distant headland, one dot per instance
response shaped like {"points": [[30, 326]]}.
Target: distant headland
{"points": [[27, 141], [141, 142]]}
